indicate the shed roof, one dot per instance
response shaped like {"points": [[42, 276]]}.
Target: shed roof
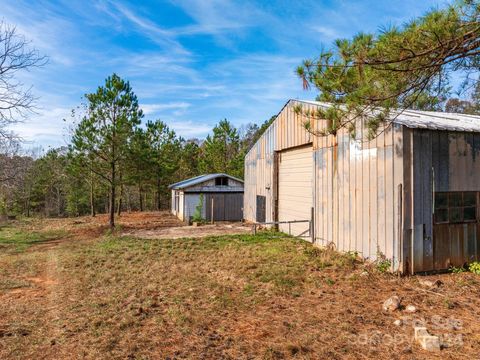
{"points": [[428, 119], [200, 179]]}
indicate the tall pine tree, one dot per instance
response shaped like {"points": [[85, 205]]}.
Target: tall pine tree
{"points": [[103, 135]]}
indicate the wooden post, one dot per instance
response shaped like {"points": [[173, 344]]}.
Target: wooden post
{"points": [[254, 229], [211, 209], [312, 225]]}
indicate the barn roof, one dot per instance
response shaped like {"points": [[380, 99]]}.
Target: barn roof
{"points": [[200, 179], [428, 119]]}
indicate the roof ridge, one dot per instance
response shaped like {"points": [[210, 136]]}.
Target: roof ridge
{"points": [[199, 179]]}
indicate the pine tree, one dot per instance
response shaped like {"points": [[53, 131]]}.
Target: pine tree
{"points": [[104, 133], [374, 77], [222, 151]]}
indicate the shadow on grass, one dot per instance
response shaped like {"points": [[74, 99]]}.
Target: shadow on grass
{"points": [[14, 239]]}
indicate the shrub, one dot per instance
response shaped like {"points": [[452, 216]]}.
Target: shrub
{"points": [[197, 215], [474, 267], [457, 270], [382, 264]]}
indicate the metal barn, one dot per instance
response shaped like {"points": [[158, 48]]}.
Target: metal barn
{"points": [[222, 197], [412, 194]]}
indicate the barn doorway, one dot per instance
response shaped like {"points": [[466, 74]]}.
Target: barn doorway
{"points": [[456, 229], [295, 189]]}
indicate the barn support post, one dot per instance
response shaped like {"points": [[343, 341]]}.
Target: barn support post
{"points": [[400, 232], [211, 210], [312, 225]]}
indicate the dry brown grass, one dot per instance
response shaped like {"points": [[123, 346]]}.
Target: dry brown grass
{"points": [[228, 297]]}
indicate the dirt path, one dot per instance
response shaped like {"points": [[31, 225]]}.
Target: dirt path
{"points": [[191, 231], [32, 324]]}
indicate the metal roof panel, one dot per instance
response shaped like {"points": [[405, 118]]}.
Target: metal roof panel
{"points": [[199, 179]]}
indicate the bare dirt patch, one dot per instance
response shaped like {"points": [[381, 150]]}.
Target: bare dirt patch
{"points": [[219, 229]]}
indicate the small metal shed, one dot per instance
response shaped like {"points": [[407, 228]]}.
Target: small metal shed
{"points": [[412, 194], [222, 197]]}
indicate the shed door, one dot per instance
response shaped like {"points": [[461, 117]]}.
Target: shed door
{"points": [[226, 206], [295, 189]]}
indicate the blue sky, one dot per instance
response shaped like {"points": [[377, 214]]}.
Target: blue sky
{"points": [[191, 63]]}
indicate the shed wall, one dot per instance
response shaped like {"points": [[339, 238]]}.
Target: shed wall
{"points": [[357, 183], [438, 161], [233, 186], [191, 202], [173, 210], [181, 202]]}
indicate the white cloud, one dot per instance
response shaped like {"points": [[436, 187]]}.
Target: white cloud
{"points": [[328, 33], [189, 129], [154, 32], [217, 16], [47, 127], [150, 109]]}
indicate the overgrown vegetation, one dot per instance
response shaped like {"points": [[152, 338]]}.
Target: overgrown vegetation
{"points": [[81, 178], [474, 267], [217, 297], [372, 78], [197, 215]]}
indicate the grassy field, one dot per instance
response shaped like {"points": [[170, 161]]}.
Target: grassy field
{"points": [[68, 290]]}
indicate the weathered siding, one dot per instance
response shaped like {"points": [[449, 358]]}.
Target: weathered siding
{"points": [[295, 189], [438, 161], [357, 184], [181, 205], [233, 186], [189, 197], [287, 131], [174, 211], [357, 201]]}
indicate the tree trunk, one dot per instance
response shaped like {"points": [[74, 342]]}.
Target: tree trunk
{"points": [[158, 195], [120, 199], [119, 204], [59, 204], [92, 197], [140, 197], [28, 202], [128, 200], [112, 197]]}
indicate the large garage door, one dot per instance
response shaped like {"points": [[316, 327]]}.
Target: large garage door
{"points": [[295, 189]]}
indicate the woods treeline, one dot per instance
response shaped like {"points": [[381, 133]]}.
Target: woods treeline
{"points": [[116, 160]]}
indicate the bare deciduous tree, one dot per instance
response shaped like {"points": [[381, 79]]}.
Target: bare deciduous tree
{"points": [[16, 101]]}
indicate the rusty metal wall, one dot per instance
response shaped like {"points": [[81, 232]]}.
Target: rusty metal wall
{"points": [[438, 161], [357, 183]]}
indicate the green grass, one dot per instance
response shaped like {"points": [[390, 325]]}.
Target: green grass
{"points": [[17, 239], [267, 296]]}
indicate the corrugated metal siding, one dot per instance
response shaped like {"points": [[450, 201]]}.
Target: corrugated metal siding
{"points": [[174, 212], [438, 161], [295, 189], [357, 193], [191, 202], [225, 206], [181, 202], [357, 184]]}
